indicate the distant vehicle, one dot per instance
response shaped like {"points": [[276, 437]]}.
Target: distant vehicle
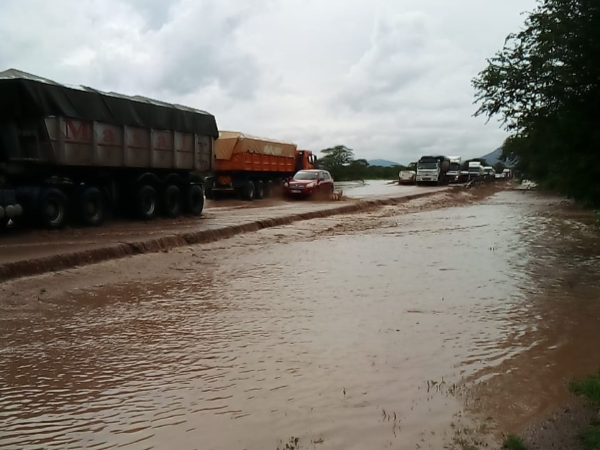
{"points": [[433, 170], [307, 183], [454, 173], [407, 177], [507, 173], [528, 185], [489, 173], [253, 167], [475, 170]]}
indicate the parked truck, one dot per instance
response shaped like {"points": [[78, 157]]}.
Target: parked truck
{"points": [[433, 170], [78, 152], [475, 170], [253, 167], [454, 172]]}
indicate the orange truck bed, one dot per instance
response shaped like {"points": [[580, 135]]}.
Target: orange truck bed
{"points": [[238, 152], [252, 166]]}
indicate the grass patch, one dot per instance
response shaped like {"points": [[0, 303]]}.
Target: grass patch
{"points": [[589, 388], [591, 438], [513, 442]]}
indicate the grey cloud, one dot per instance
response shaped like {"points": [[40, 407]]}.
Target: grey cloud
{"points": [[389, 79], [403, 66], [190, 45]]}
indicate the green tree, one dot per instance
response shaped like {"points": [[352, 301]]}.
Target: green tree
{"points": [[337, 156], [499, 167], [544, 85]]}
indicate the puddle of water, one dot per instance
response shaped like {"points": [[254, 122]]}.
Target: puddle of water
{"points": [[354, 340]]}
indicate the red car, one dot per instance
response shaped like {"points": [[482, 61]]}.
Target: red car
{"points": [[308, 182]]}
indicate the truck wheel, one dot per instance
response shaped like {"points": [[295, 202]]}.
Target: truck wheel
{"points": [[268, 188], [260, 190], [195, 200], [145, 202], [53, 209], [171, 201], [92, 207], [249, 191]]}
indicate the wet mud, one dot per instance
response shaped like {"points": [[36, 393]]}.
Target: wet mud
{"points": [[438, 323], [26, 257]]}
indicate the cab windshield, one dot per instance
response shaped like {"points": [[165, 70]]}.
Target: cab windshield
{"points": [[306, 176], [428, 165]]}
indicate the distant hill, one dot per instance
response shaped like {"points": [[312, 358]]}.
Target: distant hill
{"points": [[494, 157], [382, 163]]}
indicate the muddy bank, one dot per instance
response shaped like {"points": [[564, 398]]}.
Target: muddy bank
{"points": [[563, 429], [64, 260]]}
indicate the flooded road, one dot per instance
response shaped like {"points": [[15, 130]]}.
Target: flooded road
{"points": [[362, 331], [23, 245]]}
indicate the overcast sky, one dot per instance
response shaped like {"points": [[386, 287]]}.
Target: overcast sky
{"points": [[388, 78]]}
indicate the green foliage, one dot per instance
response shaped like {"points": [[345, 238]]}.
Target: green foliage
{"points": [[340, 162], [591, 438], [499, 167], [514, 443], [545, 87], [337, 156], [589, 388]]}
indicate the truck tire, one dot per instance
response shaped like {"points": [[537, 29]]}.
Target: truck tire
{"points": [[249, 191], [171, 201], [195, 200], [92, 208], [260, 190], [268, 188], [145, 202], [53, 209]]}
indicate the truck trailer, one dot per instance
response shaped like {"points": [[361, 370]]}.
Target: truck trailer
{"points": [[79, 152], [252, 167]]}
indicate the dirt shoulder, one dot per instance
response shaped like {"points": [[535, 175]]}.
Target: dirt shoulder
{"points": [[563, 429]]}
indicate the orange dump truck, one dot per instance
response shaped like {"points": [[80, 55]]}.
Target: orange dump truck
{"points": [[253, 167]]}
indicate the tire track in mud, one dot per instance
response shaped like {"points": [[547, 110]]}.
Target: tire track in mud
{"points": [[55, 263]]}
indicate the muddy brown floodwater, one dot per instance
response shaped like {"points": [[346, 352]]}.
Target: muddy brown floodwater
{"points": [[395, 328]]}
